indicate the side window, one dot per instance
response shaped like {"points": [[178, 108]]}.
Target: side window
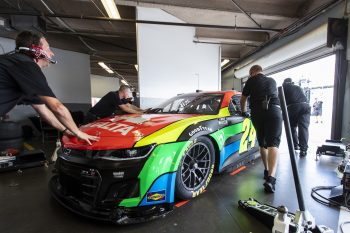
{"points": [[235, 105]]}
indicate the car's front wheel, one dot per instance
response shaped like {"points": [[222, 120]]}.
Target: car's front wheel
{"points": [[196, 169]]}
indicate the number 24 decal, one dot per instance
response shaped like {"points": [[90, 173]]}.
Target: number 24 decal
{"points": [[248, 130]]}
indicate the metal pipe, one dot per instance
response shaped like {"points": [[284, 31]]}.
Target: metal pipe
{"points": [[93, 33], [226, 43], [289, 30], [143, 21], [291, 148], [244, 12]]}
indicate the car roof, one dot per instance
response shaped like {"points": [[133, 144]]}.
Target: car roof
{"points": [[233, 92]]}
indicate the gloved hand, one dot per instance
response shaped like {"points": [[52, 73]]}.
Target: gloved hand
{"points": [[245, 114]]}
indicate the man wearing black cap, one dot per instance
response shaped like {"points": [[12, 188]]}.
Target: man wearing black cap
{"points": [[299, 115]]}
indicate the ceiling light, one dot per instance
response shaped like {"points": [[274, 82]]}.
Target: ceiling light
{"points": [[224, 62], [124, 82], [104, 66], [111, 9], [137, 67]]}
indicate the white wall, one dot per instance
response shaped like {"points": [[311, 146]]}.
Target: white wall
{"points": [[70, 77], [101, 85], [170, 62]]}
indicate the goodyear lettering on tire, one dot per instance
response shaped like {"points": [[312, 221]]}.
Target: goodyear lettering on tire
{"points": [[201, 190]]}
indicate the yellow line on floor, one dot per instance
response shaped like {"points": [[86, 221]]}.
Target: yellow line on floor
{"points": [[28, 146]]}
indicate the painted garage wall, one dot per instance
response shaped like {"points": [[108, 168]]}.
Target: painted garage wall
{"points": [[170, 62], [101, 85], [69, 79]]}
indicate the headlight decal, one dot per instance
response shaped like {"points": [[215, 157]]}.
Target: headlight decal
{"points": [[125, 154], [164, 159]]}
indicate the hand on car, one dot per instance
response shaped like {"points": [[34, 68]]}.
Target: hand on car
{"points": [[86, 137]]}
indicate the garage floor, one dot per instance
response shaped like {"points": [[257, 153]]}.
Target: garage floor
{"points": [[26, 205]]}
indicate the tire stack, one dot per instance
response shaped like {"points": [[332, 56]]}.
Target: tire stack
{"points": [[11, 138]]}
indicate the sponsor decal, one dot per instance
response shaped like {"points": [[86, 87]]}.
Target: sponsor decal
{"points": [[123, 129], [223, 121], [118, 175], [199, 129], [156, 196]]}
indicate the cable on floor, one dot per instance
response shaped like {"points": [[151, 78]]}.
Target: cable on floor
{"points": [[341, 226], [324, 200]]}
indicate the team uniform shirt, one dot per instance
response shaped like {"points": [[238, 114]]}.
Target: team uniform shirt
{"points": [[294, 94], [259, 88], [21, 81], [267, 123], [108, 105]]}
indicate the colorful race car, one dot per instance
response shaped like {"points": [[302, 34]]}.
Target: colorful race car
{"points": [[143, 162]]}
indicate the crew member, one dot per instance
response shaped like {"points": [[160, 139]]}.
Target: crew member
{"points": [[113, 103], [317, 106], [21, 78], [299, 115], [266, 117]]}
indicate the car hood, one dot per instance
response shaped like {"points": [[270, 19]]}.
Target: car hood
{"points": [[124, 131]]}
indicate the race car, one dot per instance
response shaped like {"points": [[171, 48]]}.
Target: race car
{"points": [[144, 162]]}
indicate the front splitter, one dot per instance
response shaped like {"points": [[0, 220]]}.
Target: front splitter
{"points": [[117, 215]]}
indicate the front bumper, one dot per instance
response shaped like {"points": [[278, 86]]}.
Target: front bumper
{"points": [[95, 188]]}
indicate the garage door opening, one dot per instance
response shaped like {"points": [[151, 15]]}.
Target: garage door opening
{"points": [[317, 81]]}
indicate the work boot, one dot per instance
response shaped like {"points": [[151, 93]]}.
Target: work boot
{"points": [[266, 174], [303, 153], [270, 184]]}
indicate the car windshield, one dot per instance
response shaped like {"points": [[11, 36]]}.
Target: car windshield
{"points": [[208, 104]]}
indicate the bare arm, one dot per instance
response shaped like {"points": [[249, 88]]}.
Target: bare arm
{"points": [[48, 116], [62, 115], [243, 103], [129, 108], [135, 107]]}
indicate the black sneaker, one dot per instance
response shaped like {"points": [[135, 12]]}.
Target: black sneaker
{"points": [[266, 174], [270, 184], [303, 153]]}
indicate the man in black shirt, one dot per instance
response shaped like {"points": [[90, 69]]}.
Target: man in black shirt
{"points": [[113, 103], [21, 78], [266, 117], [299, 115]]}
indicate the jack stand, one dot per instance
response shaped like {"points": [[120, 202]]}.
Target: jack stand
{"points": [[302, 221], [281, 221], [305, 221]]}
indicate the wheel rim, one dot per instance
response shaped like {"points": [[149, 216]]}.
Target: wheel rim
{"points": [[195, 166]]}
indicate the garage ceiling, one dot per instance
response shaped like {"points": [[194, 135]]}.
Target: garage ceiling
{"points": [[240, 26]]}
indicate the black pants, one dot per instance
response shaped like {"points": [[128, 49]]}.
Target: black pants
{"points": [[299, 118], [268, 126]]}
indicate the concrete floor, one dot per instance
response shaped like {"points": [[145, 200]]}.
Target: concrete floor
{"points": [[26, 205]]}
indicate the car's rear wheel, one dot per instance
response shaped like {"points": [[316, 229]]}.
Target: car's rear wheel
{"points": [[196, 169]]}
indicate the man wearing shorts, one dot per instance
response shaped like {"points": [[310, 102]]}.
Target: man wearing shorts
{"points": [[266, 117]]}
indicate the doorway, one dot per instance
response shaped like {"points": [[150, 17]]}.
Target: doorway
{"points": [[316, 78]]}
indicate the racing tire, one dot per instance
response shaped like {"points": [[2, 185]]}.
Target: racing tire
{"points": [[10, 130], [195, 169]]}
